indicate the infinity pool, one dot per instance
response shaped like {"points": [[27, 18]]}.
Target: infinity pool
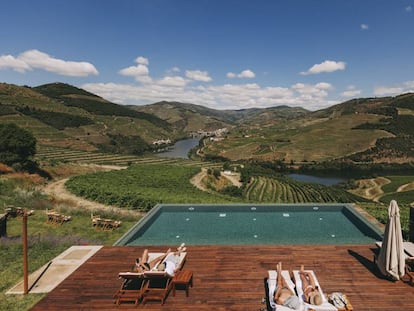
{"points": [[251, 224]]}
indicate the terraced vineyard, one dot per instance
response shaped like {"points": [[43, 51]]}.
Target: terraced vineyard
{"points": [[285, 190], [142, 186], [48, 153]]}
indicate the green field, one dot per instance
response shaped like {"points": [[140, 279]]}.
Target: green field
{"points": [[396, 182], [391, 193], [142, 186]]}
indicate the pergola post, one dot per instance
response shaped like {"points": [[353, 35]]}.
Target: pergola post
{"points": [[25, 263]]}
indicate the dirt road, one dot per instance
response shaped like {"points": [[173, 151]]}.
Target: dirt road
{"points": [[57, 191], [197, 179]]}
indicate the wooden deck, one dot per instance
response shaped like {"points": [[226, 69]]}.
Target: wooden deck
{"points": [[231, 278]]}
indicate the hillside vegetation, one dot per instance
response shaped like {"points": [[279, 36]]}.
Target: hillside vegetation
{"points": [[361, 130], [142, 186], [365, 130], [61, 115]]}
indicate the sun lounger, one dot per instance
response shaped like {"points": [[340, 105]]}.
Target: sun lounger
{"points": [[271, 287], [325, 306], [177, 259], [408, 248], [159, 283], [132, 287]]}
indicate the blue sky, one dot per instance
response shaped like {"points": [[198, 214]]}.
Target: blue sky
{"points": [[223, 54]]}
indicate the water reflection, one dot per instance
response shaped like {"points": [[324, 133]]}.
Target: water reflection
{"points": [[180, 148], [327, 181]]}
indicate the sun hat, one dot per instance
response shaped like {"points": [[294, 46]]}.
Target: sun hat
{"points": [[315, 298]]}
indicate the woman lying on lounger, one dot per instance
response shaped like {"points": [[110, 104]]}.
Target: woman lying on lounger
{"points": [[310, 291], [283, 294], [142, 264]]}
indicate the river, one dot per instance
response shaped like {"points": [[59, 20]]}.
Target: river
{"points": [[327, 181], [180, 149]]}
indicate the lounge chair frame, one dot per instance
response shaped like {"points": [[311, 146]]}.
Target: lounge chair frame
{"points": [[131, 290]]}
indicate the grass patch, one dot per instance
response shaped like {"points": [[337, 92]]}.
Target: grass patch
{"points": [[45, 241], [380, 212], [396, 182]]}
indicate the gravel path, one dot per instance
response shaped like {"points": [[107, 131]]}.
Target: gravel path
{"points": [[58, 192]]}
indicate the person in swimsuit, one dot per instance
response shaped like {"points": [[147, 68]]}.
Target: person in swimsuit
{"points": [[311, 293], [142, 264], [283, 294]]}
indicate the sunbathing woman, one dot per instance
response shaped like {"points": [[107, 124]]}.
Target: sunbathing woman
{"points": [[283, 294], [310, 291], [142, 264]]}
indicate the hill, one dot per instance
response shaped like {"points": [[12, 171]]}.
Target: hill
{"points": [[190, 118], [373, 130], [364, 130], [62, 115]]}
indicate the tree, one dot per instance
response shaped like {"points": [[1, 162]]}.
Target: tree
{"points": [[216, 173], [17, 145]]}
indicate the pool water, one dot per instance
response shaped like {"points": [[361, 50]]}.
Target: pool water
{"points": [[235, 225]]}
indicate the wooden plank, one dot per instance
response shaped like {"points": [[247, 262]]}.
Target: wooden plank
{"points": [[231, 278]]}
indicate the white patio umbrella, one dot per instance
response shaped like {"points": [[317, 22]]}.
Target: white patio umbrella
{"points": [[391, 259]]}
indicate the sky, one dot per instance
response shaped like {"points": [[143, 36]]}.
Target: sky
{"points": [[222, 54]]}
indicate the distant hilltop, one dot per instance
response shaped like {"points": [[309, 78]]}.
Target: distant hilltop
{"points": [[359, 130]]}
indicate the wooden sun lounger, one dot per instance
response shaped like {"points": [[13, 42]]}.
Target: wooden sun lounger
{"points": [[132, 288], [158, 283], [157, 287]]}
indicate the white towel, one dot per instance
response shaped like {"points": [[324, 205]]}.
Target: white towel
{"points": [[272, 282], [325, 306]]}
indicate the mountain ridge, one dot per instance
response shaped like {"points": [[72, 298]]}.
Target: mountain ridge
{"points": [[60, 114]]}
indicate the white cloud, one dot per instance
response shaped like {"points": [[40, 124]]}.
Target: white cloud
{"points": [[383, 91], [364, 26], [35, 59], [173, 87], [139, 72], [326, 66], [172, 81], [142, 60], [10, 62], [404, 87], [351, 91], [198, 75], [244, 74], [323, 86], [227, 96], [133, 71], [408, 8]]}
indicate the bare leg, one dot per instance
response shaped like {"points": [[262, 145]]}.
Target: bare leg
{"points": [[303, 277], [280, 280], [158, 259], [144, 257]]}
